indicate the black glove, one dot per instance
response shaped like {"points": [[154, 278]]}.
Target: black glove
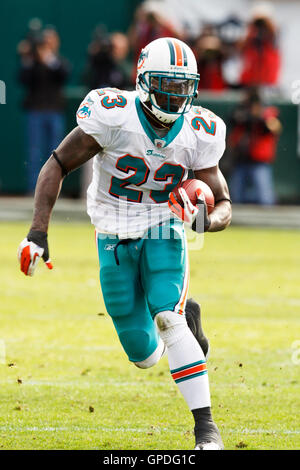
{"points": [[31, 249], [40, 239]]}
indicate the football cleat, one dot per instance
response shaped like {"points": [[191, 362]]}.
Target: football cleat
{"points": [[208, 437], [193, 318]]}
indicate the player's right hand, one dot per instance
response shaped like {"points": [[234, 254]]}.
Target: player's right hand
{"points": [[198, 220], [31, 249], [186, 211]]}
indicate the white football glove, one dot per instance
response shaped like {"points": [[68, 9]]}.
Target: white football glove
{"points": [[197, 219]]}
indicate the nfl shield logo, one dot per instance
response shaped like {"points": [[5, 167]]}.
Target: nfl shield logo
{"points": [[159, 143]]}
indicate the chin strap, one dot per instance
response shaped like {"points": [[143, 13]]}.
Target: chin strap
{"points": [[152, 116]]}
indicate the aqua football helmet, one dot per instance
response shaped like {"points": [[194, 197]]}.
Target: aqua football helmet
{"points": [[167, 78]]}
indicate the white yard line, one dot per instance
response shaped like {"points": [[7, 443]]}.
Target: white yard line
{"points": [[134, 430], [77, 384], [263, 431], [83, 429]]}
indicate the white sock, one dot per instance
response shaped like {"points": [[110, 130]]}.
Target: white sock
{"points": [[186, 359]]}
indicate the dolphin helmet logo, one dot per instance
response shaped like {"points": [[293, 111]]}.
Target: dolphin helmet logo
{"points": [[142, 57]]}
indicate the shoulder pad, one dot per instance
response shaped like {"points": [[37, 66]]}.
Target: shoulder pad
{"points": [[110, 105], [206, 124]]}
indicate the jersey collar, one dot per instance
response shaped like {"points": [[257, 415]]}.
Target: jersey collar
{"points": [[155, 139]]}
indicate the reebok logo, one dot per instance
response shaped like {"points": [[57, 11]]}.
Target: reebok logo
{"points": [[109, 247]]}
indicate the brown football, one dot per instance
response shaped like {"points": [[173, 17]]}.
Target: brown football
{"points": [[190, 186]]}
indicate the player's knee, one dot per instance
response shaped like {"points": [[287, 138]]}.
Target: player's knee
{"points": [[168, 319], [137, 344]]}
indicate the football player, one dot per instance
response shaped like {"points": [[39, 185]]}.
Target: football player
{"points": [[143, 143]]}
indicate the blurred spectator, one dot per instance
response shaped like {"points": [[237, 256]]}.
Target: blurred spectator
{"points": [[209, 54], [150, 23], [107, 65], [231, 31], [43, 73], [259, 50], [252, 143]]}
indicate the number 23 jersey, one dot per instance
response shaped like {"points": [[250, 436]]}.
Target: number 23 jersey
{"points": [[136, 169]]}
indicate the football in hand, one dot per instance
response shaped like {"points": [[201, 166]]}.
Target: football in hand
{"points": [[190, 186]]}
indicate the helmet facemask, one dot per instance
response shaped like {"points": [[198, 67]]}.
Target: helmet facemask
{"points": [[169, 94]]}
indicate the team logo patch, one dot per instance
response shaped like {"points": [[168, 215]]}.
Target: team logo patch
{"points": [[84, 111]]}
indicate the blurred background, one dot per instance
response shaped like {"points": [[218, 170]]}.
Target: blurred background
{"points": [[53, 52]]}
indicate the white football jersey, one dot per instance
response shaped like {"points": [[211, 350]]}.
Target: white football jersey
{"points": [[136, 169]]}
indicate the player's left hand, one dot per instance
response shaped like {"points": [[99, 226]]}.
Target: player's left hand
{"points": [[31, 249], [194, 215]]}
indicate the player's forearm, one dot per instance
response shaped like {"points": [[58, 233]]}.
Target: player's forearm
{"points": [[220, 217], [46, 193]]}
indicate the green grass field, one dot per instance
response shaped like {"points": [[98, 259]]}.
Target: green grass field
{"points": [[65, 382]]}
